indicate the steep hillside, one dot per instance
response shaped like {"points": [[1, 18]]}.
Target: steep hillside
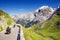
{"points": [[29, 35], [5, 20], [47, 30]]}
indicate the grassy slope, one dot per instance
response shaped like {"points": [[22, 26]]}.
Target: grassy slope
{"points": [[7, 17], [49, 31], [29, 35], [50, 28]]}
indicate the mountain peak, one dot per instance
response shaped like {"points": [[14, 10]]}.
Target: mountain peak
{"points": [[44, 7]]}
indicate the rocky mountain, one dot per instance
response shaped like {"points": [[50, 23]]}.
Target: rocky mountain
{"points": [[5, 20], [28, 16], [41, 14], [24, 18]]}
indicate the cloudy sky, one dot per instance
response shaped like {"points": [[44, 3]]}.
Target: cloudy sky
{"points": [[24, 6]]}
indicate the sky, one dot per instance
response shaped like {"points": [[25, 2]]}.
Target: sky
{"points": [[14, 7]]}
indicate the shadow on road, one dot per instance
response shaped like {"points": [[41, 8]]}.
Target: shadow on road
{"points": [[18, 37]]}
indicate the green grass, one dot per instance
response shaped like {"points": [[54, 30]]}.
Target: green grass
{"points": [[1, 28], [9, 20], [50, 29], [29, 35], [7, 17]]}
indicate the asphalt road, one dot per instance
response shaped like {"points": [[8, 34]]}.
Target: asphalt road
{"points": [[14, 35]]}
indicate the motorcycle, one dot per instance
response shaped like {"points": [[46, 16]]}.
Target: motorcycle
{"points": [[8, 30]]}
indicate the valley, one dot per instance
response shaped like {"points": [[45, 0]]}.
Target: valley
{"points": [[42, 24]]}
